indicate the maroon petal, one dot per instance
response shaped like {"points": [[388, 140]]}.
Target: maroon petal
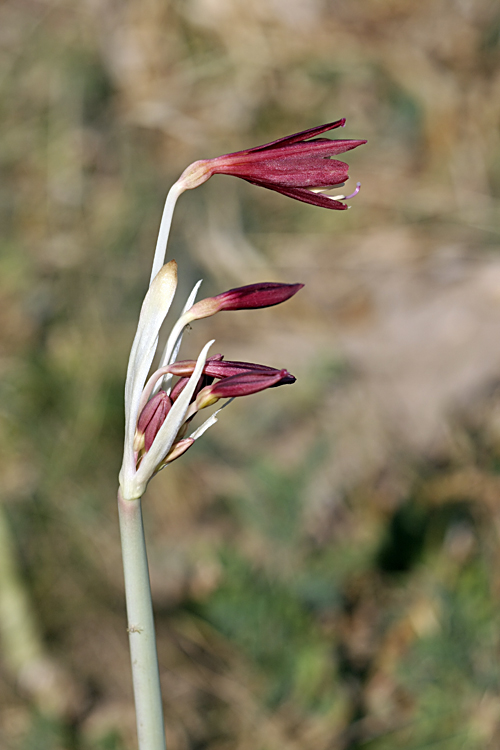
{"points": [[320, 147], [287, 140], [227, 369], [241, 385], [152, 417], [304, 195], [315, 148], [299, 172], [223, 369], [185, 369], [179, 387], [255, 296], [246, 383], [182, 383]]}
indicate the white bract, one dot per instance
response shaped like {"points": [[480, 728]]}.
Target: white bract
{"points": [[133, 477]]}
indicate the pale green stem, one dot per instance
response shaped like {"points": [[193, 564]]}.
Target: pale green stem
{"points": [[164, 231], [145, 673]]}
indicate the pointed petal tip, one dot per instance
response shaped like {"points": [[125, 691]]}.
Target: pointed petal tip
{"points": [[302, 135], [308, 196], [287, 378]]}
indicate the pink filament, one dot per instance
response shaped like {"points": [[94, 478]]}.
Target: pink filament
{"points": [[358, 188]]}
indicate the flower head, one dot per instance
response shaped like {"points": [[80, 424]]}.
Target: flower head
{"points": [[297, 165], [157, 415]]}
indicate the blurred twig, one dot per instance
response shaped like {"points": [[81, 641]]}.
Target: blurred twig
{"points": [[37, 673]]}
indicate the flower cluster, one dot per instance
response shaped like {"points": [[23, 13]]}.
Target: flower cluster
{"points": [[158, 413]]}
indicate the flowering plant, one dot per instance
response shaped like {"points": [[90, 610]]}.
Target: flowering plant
{"points": [[158, 413]]}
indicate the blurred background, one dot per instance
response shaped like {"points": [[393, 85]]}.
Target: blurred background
{"points": [[325, 562]]}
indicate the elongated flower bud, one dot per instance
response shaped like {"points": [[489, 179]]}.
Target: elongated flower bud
{"points": [[251, 297], [151, 419], [178, 449], [225, 369], [179, 387], [185, 371], [239, 385]]}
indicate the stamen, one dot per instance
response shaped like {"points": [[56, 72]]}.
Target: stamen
{"points": [[358, 188]]}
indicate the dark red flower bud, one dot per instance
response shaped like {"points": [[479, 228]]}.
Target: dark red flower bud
{"points": [[251, 297], [241, 385], [179, 387], [293, 165], [178, 449], [254, 296], [151, 419], [185, 367], [185, 370], [225, 369]]}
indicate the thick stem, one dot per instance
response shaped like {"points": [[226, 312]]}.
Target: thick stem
{"points": [[166, 221], [145, 673]]}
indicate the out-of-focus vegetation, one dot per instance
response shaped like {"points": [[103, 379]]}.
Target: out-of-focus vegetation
{"points": [[325, 561]]}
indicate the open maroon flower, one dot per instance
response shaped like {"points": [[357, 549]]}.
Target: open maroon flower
{"points": [[297, 165]]}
